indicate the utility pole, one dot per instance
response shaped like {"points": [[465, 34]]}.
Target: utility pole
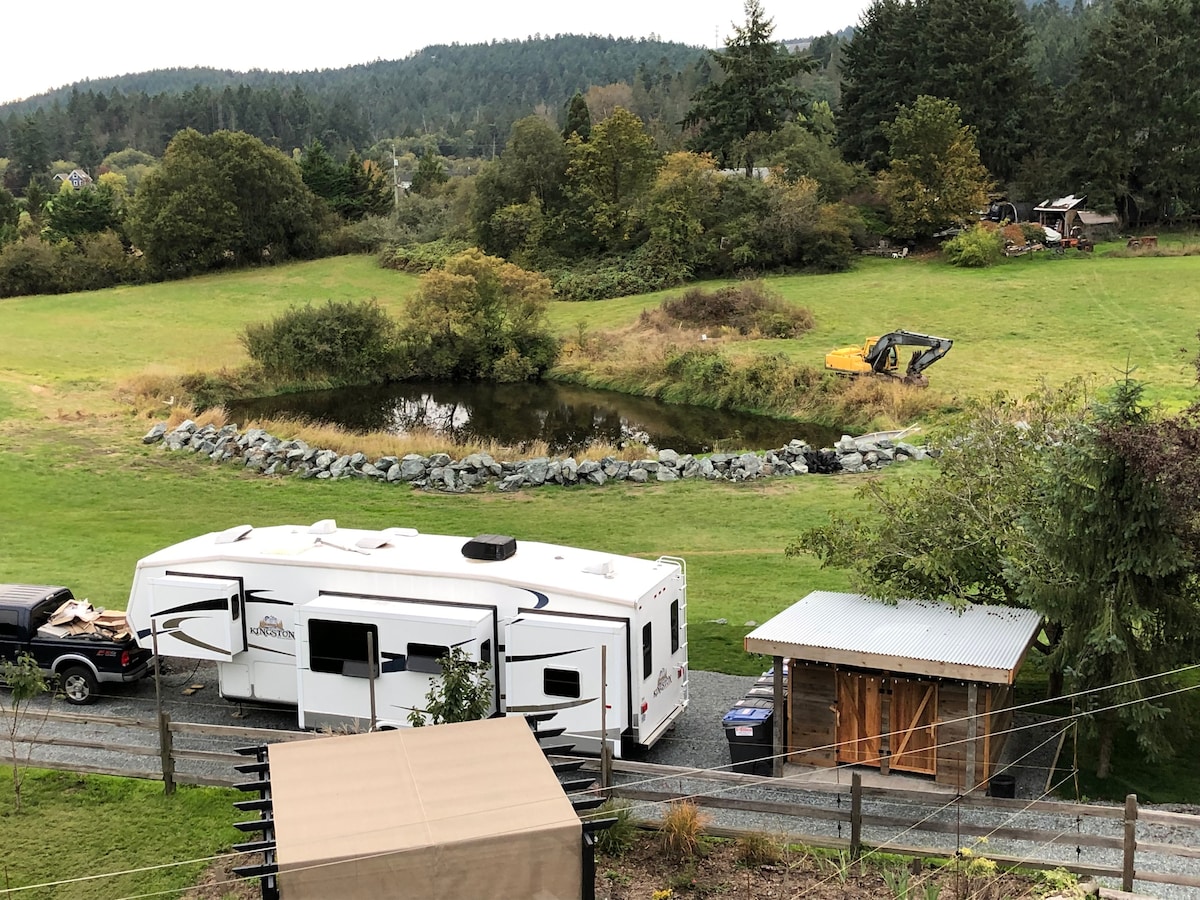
{"points": [[395, 181]]}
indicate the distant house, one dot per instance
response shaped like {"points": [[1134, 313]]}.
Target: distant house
{"points": [[77, 177], [1066, 217]]}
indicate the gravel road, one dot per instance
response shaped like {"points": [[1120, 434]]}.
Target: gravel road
{"points": [[696, 742]]}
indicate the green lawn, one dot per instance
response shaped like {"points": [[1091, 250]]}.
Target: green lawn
{"points": [[74, 826], [83, 500]]}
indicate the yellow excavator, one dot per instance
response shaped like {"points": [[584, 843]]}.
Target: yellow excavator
{"points": [[879, 356]]}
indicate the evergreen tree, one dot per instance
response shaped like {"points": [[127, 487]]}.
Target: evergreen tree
{"points": [[579, 118], [756, 96], [1135, 110], [1115, 573], [430, 173], [973, 54]]}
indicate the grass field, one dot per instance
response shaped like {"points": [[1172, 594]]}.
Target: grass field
{"points": [[75, 826], [83, 499]]}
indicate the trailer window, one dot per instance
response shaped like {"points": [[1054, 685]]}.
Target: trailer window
{"points": [[340, 648], [674, 626], [485, 653], [426, 658], [560, 683], [647, 654]]}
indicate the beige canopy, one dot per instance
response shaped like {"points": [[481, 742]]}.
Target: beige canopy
{"points": [[438, 813]]}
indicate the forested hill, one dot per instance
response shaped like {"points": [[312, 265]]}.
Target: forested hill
{"points": [[449, 89]]}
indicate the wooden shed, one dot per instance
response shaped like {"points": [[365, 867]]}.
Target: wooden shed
{"points": [[917, 686]]}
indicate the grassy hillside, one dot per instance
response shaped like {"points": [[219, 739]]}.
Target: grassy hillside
{"points": [[1027, 319]]}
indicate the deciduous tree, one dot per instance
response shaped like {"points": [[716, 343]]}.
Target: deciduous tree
{"points": [[1036, 504], [606, 175], [224, 198], [24, 682], [479, 317], [935, 177], [463, 693]]}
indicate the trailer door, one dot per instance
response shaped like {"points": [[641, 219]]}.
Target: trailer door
{"points": [[198, 617], [553, 667]]}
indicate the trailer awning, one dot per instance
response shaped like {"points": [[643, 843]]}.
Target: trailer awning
{"points": [[917, 637]]}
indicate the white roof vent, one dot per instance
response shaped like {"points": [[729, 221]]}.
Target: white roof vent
{"points": [[604, 567], [234, 534], [378, 539], [325, 526]]}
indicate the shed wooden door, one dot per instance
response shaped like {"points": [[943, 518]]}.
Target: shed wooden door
{"points": [[859, 718], [914, 726]]}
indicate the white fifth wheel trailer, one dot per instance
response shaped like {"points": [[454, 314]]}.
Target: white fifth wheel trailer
{"points": [[288, 614]]}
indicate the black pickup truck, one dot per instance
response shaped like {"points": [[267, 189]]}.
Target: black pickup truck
{"points": [[80, 661]]}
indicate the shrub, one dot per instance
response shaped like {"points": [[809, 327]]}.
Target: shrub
{"points": [[759, 849], [646, 271], [621, 835], [682, 827], [1032, 233], [420, 258], [94, 261], [749, 308], [478, 317], [977, 248], [28, 266], [342, 341]]}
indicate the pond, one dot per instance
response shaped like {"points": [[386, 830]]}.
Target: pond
{"points": [[568, 418]]}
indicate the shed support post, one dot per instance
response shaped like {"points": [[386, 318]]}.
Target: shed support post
{"points": [[855, 815], [1127, 869], [972, 734], [780, 740]]}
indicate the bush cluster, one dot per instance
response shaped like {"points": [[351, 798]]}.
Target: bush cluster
{"points": [[976, 248], [420, 258], [641, 273], [94, 261], [351, 341], [748, 308]]}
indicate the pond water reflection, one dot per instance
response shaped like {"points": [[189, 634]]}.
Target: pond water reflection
{"points": [[566, 417]]}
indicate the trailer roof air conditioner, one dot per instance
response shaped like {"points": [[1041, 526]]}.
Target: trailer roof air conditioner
{"points": [[490, 547]]}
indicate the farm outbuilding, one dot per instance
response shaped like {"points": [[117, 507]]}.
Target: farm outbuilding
{"points": [[470, 809], [919, 687]]}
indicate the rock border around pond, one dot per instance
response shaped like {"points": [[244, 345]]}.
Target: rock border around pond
{"points": [[261, 452]]}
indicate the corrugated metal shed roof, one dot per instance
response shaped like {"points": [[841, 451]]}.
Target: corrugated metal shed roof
{"points": [[977, 643]]}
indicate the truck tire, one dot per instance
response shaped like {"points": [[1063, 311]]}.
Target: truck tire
{"points": [[78, 685]]}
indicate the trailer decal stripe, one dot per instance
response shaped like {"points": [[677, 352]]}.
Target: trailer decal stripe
{"points": [[172, 628], [532, 656], [216, 603], [547, 707]]}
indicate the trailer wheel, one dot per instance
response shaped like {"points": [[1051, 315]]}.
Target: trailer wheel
{"points": [[79, 685]]}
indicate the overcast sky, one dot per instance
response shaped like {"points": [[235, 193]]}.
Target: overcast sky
{"points": [[57, 44]]}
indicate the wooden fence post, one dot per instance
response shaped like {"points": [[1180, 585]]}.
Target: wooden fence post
{"points": [[1131, 814], [855, 815], [164, 751]]}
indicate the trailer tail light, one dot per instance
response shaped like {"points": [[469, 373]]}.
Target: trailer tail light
{"points": [[645, 707], [680, 672], [124, 658]]}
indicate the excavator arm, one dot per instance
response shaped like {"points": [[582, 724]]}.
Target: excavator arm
{"points": [[935, 349]]}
